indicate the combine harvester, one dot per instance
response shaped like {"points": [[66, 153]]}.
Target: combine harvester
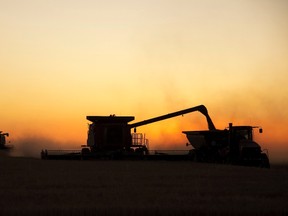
{"points": [[110, 137]]}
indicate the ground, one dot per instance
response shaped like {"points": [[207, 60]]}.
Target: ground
{"points": [[32, 186]]}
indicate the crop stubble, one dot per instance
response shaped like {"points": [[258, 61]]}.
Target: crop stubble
{"points": [[31, 186]]}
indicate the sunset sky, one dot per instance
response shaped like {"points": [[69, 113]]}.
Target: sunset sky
{"points": [[61, 60]]}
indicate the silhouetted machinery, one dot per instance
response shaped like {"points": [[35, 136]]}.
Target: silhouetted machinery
{"points": [[111, 137], [234, 145], [3, 145]]}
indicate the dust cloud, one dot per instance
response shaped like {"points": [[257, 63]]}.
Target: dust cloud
{"points": [[32, 146]]}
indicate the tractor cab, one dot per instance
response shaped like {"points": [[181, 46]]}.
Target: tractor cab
{"points": [[243, 148], [243, 132]]}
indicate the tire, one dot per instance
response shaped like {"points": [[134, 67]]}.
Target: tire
{"points": [[85, 152], [264, 161]]}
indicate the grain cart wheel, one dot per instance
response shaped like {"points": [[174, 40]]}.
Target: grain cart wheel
{"points": [[192, 155], [264, 161], [85, 152]]}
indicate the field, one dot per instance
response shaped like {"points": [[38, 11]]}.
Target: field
{"points": [[38, 187]]}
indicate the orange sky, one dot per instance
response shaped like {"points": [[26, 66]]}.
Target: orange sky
{"points": [[63, 60]]}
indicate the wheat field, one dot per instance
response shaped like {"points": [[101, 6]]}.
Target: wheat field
{"points": [[41, 187]]}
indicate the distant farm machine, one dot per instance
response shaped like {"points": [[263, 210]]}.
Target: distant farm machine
{"points": [[3, 145], [110, 137]]}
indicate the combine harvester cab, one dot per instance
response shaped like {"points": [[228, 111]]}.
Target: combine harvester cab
{"points": [[110, 137]]}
